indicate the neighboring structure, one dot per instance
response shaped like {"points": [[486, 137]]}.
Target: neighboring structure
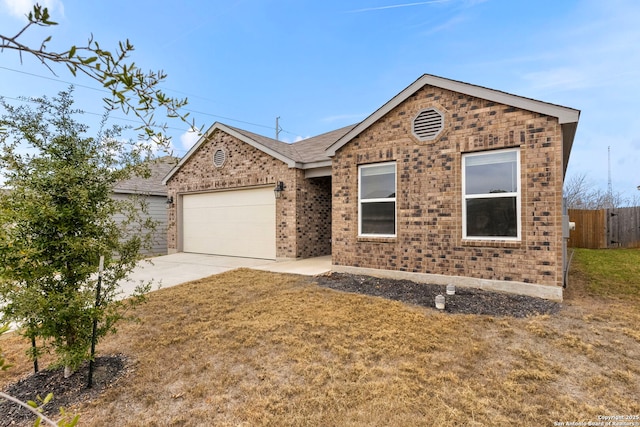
{"points": [[447, 182], [153, 193]]}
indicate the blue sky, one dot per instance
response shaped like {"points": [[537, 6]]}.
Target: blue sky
{"points": [[321, 65]]}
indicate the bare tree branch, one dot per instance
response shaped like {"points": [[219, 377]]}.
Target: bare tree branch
{"points": [[132, 90], [35, 411], [580, 193]]}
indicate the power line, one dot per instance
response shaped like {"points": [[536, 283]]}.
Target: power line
{"points": [[53, 79], [174, 148], [184, 93], [124, 119]]}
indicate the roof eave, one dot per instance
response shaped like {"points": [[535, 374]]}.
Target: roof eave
{"points": [[191, 151], [565, 115], [315, 165], [290, 162], [139, 192], [220, 126], [568, 135], [390, 105]]}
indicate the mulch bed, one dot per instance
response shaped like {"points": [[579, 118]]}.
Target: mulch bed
{"points": [[465, 300], [66, 391]]}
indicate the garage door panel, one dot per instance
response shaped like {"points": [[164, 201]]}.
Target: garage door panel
{"points": [[262, 196], [235, 223]]}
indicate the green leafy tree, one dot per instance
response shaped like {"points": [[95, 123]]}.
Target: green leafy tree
{"points": [[132, 90], [58, 219]]}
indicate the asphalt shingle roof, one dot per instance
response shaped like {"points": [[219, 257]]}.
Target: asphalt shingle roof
{"points": [[278, 146], [308, 150], [153, 185], [313, 149]]}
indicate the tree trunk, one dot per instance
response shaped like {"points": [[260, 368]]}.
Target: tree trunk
{"points": [[35, 354]]}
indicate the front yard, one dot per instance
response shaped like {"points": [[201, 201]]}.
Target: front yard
{"points": [[258, 348]]}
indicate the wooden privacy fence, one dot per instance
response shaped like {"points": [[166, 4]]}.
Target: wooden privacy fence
{"points": [[605, 228]]}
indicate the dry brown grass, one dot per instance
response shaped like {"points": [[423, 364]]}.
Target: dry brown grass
{"points": [[257, 348]]}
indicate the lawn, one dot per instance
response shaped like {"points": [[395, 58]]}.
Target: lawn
{"points": [[613, 273], [257, 348]]}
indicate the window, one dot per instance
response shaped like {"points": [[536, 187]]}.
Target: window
{"points": [[491, 191], [377, 200]]}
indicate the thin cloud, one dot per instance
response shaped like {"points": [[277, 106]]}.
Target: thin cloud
{"points": [[20, 8], [456, 20], [394, 6], [592, 57], [296, 139], [564, 78], [189, 138]]}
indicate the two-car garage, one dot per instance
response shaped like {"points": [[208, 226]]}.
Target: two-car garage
{"points": [[232, 223]]}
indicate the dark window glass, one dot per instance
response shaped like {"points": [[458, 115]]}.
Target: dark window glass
{"points": [[378, 218], [492, 217]]}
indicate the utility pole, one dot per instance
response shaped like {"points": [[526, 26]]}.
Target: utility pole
{"points": [[278, 128], [609, 185]]}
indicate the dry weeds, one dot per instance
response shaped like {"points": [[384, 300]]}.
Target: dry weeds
{"points": [[257, 348]]}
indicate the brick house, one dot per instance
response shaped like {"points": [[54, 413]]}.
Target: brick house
{"points": [[447, 182]]}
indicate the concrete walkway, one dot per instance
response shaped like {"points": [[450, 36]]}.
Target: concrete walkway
{"points": [[306, 267], [171, 270]]}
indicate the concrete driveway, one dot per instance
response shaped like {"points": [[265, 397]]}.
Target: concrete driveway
{"points": [[171, 270]]}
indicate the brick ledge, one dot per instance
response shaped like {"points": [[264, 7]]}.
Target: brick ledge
{"points": [[553, 293], [492, 244], [377, 239]]}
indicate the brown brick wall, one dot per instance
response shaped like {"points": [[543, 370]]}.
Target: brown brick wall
{"points": [[429, 192], [245, 166], [314, 216]]}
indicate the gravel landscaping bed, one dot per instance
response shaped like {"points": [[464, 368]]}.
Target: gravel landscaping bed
{"points": [[465, 300], [66, 391]]}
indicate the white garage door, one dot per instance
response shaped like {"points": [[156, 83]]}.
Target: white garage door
{"points": [[235, 223]]}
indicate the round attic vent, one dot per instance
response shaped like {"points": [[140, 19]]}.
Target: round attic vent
{"points": [[428, 124], [219, 157]]}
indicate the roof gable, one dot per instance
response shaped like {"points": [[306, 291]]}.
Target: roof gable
{"points": [[316, 152], [277, 149], [305, 154], [567, 117]]}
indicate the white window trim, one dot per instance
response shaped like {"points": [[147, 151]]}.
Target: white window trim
{"points": [[387, 199], [517, 194]]}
